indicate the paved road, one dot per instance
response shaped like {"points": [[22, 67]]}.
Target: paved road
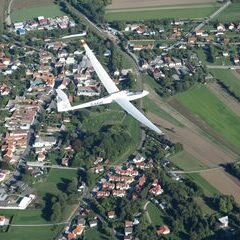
{"points": [[8, 18]]}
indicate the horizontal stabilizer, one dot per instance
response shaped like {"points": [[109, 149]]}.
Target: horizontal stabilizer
{"points": [[63, 103]]}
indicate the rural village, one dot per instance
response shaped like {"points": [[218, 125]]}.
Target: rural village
{"points": [[96, 173]]}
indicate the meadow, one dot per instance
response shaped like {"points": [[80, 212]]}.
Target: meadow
{"points": [[205, 105], [230, 79], [176, 12]]}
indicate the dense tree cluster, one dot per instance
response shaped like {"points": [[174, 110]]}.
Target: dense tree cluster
{"points": [[110, 143], [93, 9]]}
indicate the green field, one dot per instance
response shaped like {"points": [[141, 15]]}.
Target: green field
{"points": [[182, 12], [30, 233], [51, 10], [155, 214], [51, 185], [203, 103], [229, 79], [207, 188], [232, 13], [187, 162]]}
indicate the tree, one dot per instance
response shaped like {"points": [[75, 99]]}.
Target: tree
{"points": [[72, 186], [56, 212]]}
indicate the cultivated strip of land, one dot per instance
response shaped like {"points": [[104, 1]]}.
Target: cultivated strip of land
{"points": [[119, 4]]}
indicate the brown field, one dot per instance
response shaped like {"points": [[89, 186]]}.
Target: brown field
{"points": [[19, 4], [121, 4], [223, 182]]}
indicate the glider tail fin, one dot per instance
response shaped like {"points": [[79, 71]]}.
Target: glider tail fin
{"points": [[63, 103]]}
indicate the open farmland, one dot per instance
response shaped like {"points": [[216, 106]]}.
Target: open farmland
{"points": [[203, 107], [26, 9], [119, 4], [229, 78], [232, 13], [148, 13]]}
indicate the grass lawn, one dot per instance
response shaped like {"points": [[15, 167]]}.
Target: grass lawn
{"points": [[183, 12], [93, 234], [51, 10], [155, 214], [231, 13], [97, 119], [30, 233], [187, 162], [203, 103], [228, 78]]}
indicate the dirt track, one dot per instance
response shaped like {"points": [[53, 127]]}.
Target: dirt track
{"points": [[124, 4]]}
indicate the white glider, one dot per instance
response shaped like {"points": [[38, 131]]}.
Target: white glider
{"points": [[122, 98]]}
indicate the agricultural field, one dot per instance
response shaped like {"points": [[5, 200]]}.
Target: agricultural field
{"points": [[182, 11], [118, 4], [26, 9], [206, 107], [152, 107], [187, 162], [230, 78], [207, 188], [232, 13], [56, 181]]}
